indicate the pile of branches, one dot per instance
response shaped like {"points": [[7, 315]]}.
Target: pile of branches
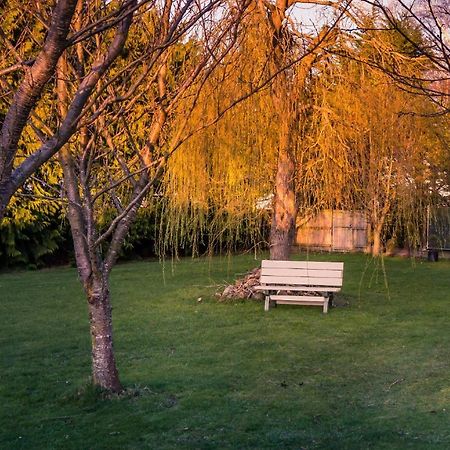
{"points": [[243, 288]]}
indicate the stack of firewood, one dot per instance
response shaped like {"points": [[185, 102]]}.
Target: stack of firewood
{"points": [[243, 288]]}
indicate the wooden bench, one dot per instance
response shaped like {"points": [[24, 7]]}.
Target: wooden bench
{"points": [[293, 282]]}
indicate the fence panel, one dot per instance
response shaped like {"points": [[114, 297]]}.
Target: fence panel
{"points": [[334, 230]]}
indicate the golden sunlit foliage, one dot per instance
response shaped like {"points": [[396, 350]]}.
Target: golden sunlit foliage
{"points": [[363, 143]]}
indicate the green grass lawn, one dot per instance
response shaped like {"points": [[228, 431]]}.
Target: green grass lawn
{"points": [[373, 373]]}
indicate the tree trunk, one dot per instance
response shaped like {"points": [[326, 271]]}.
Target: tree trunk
{"points": [[4, 198], [282, 231], [104, 370], [377, 245], [95, 279], [93, 274]]}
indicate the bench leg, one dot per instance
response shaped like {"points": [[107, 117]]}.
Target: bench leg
{"points": [[267, 303], [325, 305]]}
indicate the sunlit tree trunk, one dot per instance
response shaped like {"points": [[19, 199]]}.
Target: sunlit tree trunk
{"points": [[282, 230], [376, 240], [378, 222]]}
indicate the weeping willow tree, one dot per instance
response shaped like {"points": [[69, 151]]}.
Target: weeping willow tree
{"points": [[293, 55], [380, 138], [356, 141], [222, 180]]}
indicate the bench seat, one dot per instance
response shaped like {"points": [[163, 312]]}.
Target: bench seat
{"points": [[298, 288], [283, 281]]}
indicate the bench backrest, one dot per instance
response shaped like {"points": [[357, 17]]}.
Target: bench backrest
{"points": [[302, 273]]}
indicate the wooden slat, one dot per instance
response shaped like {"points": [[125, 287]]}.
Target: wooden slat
{"points": [[298, 298], [303, 303], [310, 272], [302, 281], [276, 287], [303, 264]]}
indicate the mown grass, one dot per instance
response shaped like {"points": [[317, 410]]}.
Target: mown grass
{"points": [[373, 373]]}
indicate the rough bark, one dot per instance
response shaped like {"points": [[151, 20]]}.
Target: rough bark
{"points": [[104, 369]]}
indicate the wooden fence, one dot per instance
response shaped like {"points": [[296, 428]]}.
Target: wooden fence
{"points": [[334, 230]]}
